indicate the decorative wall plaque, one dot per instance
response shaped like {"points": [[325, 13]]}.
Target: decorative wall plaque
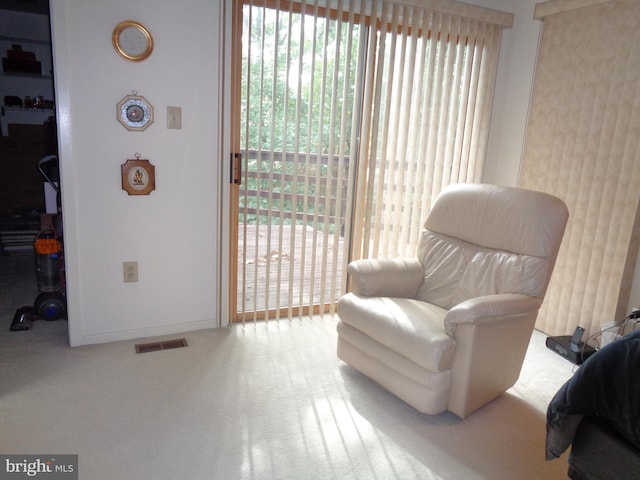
{"points": [[138, 176]]}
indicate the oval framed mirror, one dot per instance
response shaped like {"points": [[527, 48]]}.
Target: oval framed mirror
{"points": [[132, 40]]}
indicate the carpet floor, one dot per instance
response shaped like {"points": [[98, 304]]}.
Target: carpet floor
{"points": [[265, 401]]}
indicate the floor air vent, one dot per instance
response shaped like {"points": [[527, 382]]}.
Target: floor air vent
{"points": [[156, 346]]}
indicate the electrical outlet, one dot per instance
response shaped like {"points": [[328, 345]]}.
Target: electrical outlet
{"points": [[130, 271]]}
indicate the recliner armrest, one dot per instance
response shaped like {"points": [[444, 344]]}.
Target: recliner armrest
{"points": [[488, 308], [396, 277]]}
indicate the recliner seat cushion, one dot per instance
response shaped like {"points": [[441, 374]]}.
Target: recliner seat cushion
{"points": [[405, 325]]}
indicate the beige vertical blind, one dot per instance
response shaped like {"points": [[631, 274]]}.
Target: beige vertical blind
{"points": [[583, 145], [428, 95], [355, 115]]}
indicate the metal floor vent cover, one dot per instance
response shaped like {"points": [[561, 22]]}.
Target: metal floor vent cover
{"points": [[165, 345]]}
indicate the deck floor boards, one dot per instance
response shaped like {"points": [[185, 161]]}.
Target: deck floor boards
{"points": [[292, 261]]}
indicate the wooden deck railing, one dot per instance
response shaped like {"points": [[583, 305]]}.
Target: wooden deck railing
{"points": [[320, 208], [273, 194]]}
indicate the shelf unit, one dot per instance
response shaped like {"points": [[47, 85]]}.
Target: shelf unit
{"points": [[31, 31], [22, 188]]}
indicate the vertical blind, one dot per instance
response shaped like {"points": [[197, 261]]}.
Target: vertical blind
{"points": [[353, 118], [583, 144], [428, 94]]}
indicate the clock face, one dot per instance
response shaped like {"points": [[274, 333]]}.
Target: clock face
{"points": [[135, 113]]}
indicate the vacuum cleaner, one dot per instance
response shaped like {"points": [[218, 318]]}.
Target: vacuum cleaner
{"points": [[50, 304]]}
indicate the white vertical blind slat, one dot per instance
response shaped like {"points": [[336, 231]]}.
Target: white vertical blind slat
{"points": [[404, 179], [369, 138], [270, 197], [393, 183], [282, 272], [245, 246], [428, 135], [415, 172], [349, 200]]}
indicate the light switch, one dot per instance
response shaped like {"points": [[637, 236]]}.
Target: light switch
{"points": [[174, 118]]}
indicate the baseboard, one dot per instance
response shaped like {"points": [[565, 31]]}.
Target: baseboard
{"points": [[147, 332]]}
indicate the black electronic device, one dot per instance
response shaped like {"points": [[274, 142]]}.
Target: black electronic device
{"points": [[577, 337], [23, 319], [571, 347]]}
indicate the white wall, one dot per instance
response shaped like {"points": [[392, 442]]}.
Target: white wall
{"points": [[516, 65], [173, 232]]}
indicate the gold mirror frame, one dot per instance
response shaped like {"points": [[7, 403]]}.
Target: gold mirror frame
{"points": [[128, 46]]}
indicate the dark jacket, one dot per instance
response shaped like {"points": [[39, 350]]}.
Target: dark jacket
{"points": [[607, 387]]}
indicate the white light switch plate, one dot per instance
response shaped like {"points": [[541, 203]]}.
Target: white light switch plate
{"points": [[174, 118]]}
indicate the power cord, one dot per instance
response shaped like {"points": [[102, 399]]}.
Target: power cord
{"points": [[616, 330]]}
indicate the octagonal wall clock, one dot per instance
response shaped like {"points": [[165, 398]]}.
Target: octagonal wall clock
{"points": [[134, 112]]}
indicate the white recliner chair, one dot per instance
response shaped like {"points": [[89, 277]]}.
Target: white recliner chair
{"points": [[449, 329]]}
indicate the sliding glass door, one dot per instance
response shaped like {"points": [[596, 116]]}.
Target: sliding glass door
{"points": [[348, 121], [297, 118]]}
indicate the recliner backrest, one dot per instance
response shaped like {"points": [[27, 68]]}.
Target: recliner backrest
{"points": [[456, 271], [484, 239]]}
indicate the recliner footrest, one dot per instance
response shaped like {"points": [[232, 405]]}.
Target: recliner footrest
{"points": [[425, 391]]}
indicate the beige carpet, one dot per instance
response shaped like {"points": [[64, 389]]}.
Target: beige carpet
{"points": [[259, 402]]}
